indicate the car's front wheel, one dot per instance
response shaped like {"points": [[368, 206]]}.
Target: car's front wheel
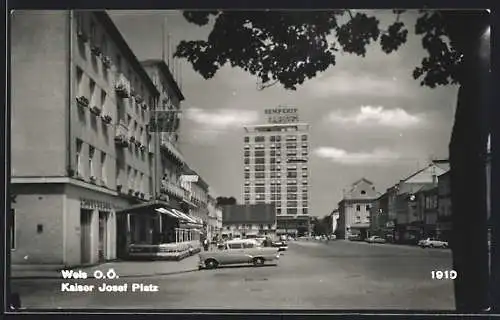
{"points": [[211, 264], [258, 261]]}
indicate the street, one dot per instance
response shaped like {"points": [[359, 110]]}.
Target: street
{"points": [[310, 275]]}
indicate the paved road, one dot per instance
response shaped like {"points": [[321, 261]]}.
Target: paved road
{"points": [[339, 275]]}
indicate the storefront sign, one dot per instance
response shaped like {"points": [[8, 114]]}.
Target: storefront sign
{"points": [[95, 205], [282, 115]]}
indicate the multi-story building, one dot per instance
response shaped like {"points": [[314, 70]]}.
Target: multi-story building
{"points": [[276, 171], [80, 146], [380, 224], [444, 224], [405, 208], [354, 209], [248, 220], [214, 227]]}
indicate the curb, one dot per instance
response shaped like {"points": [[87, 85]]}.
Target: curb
{"points": [[122, 276]]}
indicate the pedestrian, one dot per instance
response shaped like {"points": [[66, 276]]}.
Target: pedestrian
{"points": [[205, 244]]}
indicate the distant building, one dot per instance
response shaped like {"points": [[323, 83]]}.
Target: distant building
{"points": [[405, 210], [214, 226], [334, 219], [380, 224], [444, 224], [276, 168], [248, 220], [354, 209]]}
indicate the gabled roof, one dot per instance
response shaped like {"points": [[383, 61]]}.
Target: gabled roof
{"points": [[362, 179]]}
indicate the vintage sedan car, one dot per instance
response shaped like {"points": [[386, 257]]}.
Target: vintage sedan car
{"points": [[432, 243], [375, 239], [241, 251], [281, 245]]}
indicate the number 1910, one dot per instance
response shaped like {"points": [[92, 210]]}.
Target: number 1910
{"points": [[444, 275]]}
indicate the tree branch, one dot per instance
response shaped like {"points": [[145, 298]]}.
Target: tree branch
{"points": [[261, 86]]}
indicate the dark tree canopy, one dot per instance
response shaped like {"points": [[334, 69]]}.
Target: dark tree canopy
{"points": [[222, 201], [289, 47]]}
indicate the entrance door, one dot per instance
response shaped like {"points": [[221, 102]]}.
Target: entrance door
{"points": [[85, 248], [103, 235]]}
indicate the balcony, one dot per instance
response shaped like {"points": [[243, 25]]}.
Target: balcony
{"points": [[172, 150], [122, 87], [172, 189], [121, 135]]}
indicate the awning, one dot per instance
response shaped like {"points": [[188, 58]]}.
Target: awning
{"points": [[184, 216], [170, 213]]}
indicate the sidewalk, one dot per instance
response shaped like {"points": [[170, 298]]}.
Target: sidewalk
{"points": [[124, 269]]}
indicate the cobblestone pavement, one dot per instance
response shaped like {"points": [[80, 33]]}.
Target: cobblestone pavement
{"points": [[338, 275]]}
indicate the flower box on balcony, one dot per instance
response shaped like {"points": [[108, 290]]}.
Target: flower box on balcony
{"points": [[132, 139], [106, 61], [121, 91], [93, 180], [82, 101], [119, 187], [137, 193], [82, 36], [107, 118], [132, 92], [142, 147], [138, 98], [142, 195], [130, 192], [121, 141], [96, 51], [144, 106], [96, 111]]}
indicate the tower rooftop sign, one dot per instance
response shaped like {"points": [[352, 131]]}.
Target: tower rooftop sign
{"points": [[282, 114]]}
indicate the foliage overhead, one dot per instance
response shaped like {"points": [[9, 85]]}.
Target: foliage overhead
{"points": [[289, 47], [221, 201]]}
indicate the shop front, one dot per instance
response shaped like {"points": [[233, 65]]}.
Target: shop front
{"points": [[156, 230]]}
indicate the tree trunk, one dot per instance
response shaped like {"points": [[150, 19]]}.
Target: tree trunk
{"points": [[468, 186]]}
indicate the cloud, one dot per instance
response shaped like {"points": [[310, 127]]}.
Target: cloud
{"points": [[222, 119], [349, 84], [369, 115], [375, 157]]}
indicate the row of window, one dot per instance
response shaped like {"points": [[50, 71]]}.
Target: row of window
{"points": [[276, 138], [99, 98], [262, 175], [279, 211], [96, 163], [100, 41], [275, 146], [249, 226]]}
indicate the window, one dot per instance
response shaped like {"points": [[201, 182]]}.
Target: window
{"points": [[92, 92], [246, 161], [248, 245], [118, 63], [367, 207], [247, 153], [260, 167], [259, 160], [79, 145], [304, 196], [246, 139], [93, 33], [272, 138], [235, 246], [247, 175], [304, 210], [79, 79], [363, 192], [260, 139], [358, 207], [305, 204], [12, 229], [273, 153], [278, 211], [291, 175], [291, 196], [259, 153], [304, 137], [103, 99], [260, 175], [291, 211], [260, 189], [104, 178], [104, 45], [91, 161], [291, 204]]}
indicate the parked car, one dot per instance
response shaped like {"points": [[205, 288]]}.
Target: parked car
{"points": [[432, 243], [246, 251], [375, 239], [281, 245], [354, 237]]}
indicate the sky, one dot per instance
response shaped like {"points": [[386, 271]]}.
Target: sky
{"points": [[368, 116]]}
